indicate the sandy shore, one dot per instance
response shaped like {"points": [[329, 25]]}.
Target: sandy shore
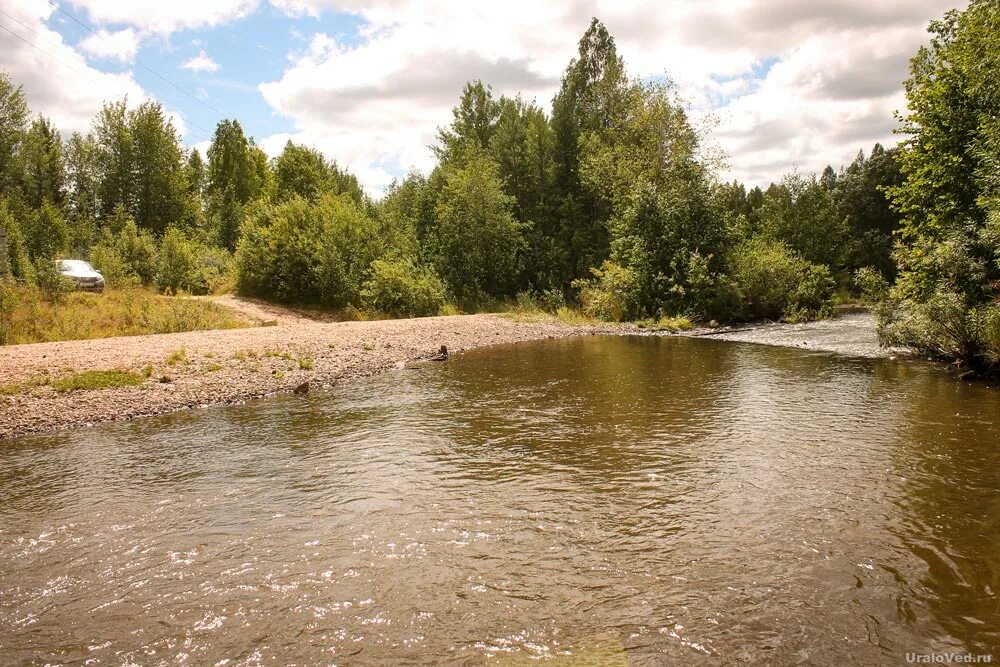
{"points": [[217, 367]]}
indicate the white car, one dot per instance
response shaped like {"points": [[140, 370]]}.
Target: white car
{"points": [[81, 274]]}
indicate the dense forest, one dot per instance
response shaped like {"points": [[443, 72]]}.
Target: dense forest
{"points": [[610, 203]]}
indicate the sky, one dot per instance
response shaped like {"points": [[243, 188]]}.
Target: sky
{"points": [[782, 84]]}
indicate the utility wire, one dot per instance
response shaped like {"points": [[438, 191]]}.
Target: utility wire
{"points": [[146, 67]]}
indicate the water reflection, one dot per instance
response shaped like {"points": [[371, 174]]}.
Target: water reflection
{"points": [[607, 499]]}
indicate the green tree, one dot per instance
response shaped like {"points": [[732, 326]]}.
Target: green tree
{"points": [[114, 157], [589, 104], [14, 257], [42, 167], [944, 300], [13, 125], [860, 197], [478, 244], [160, 187], [82, 181], [801, 213], [46, 234], [473, 123], [237, 175], [312, 252], [666, 227], [304, 172]]}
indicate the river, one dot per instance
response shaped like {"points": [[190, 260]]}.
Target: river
{"points": [[601, 500]]}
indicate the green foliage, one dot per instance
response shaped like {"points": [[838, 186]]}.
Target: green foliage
{"points": [[776, 283], [303, 172], [237, 174], [611, 295], [125, 255], [41, 163], [308, 252], [401, 288], [8, 300], [944, 301], [14, 259], [860, 197], [139, 165], [478, 244], [185, 264], [590, 102], [801, 214], [50, 281], [665, 225], [46, 235], [13, 125]]}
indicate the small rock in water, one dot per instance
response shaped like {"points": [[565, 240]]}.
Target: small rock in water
{"points": [[302, 388]]}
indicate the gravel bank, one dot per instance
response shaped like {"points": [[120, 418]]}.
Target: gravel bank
{"points": [[214, 367]]}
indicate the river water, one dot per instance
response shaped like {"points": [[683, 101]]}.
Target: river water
{"points": [[605, 500]]}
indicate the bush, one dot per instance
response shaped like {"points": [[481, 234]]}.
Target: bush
{"points": [[186, 264], [8, 301], [401, 288], [777, 283], [125, 259], [50, 281], [611, 295], [306, 252], [548, 301]]}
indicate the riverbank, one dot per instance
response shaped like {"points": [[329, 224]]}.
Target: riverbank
{"points": [[171, 372], [195, 369]]}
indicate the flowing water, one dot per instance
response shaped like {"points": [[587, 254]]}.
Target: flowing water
{"points": [[608, 500]]}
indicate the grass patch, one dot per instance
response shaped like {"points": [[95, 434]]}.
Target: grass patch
{"points": [[116, 312], [666, 324], [177, 357], [306, 364], [97, 380]]}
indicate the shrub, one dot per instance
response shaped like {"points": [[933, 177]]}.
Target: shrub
{"points": [[127, 258], [777, 283], [611, 295], [186, 264], [306, 252], [8, 300], [401, 288], [52, 284]]}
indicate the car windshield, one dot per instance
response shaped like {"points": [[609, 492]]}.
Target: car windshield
{"points": [[75, 265]]}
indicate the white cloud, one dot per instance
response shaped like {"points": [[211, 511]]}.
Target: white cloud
{"points": [[163, 18], [57, 80], [121, 45], [201, 63], [836, 79]]}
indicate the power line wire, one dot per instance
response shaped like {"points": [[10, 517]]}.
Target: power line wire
{"points": [[146, 67], [208, 133]]}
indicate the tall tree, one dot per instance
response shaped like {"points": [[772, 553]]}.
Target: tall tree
{"points": [[860, 196], [159, 182], [43, 170], [944, 300], [13, 125], [589, 104], [801, 213], [236, 176], [82, 176], [114, 157], [478, 243], [473, 123]]}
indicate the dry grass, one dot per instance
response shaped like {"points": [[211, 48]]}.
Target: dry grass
{"points": [[125, 312]]}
